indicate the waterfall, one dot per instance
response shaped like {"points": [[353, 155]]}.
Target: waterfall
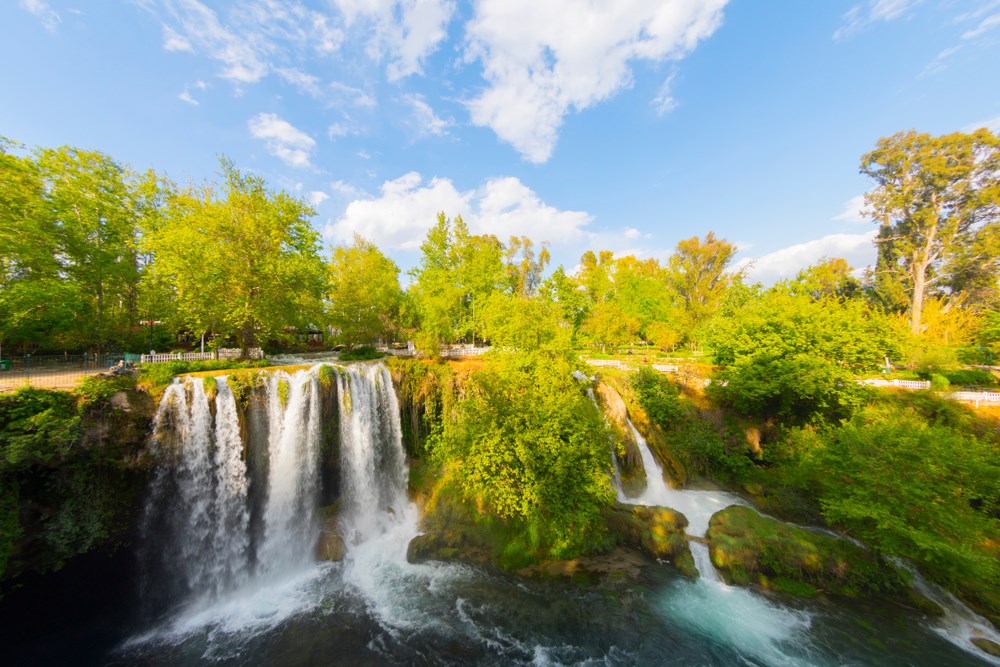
{"points": [[290, 525], [373, 465], [697, 505], [197, 526]]}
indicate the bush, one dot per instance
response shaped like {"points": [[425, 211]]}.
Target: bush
{"points": [[529, 448], [361, 354], [797, 389], [162, 374], [970, 377], [36, 426], [658, 396]]}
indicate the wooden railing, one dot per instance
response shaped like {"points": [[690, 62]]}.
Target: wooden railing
{"points": [[616, 363]]}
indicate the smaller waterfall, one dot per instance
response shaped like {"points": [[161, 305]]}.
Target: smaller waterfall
{"points": [[960, 624], [374, 472]]}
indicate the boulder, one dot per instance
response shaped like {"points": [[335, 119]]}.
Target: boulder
{"points": [[987, 645]]}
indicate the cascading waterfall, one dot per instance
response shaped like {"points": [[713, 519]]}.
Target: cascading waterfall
{"points": [[373, 464], [710, 607], [197, 521]]}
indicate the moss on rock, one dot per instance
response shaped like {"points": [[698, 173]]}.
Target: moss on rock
{"points": [[656, 531], [748, 548]]}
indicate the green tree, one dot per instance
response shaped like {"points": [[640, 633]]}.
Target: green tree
{"points": [[365, 297], [243, 261], [697, 274], [830, 277], [608, 325], [529, 447], [932, 197], [524, 324]]}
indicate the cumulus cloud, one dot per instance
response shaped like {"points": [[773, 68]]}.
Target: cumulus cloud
{"points": [[853, 210], [862, 15], [408, 206], [282, 139], [305, 82], [408, 31], [632, 233], [857, 249], [543, 59], [43, 12], [185, 96], [317, 197]]}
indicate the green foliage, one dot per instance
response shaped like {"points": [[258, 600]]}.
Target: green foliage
{"points": [[528, 447], [37, 426], [96, 390], [326, 375], [243, 382], [283, 388], [242, 262], [970, 377], [211, 387], [361, 354], [523, 324], [776, 324], [797, 388], [365, 299], [913, 488], [607, 325], [658, 396], [932, 198], [10, 525], [162, 374]]}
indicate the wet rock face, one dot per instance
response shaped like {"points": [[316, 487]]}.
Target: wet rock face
{"points": [[655, 531], [330, 546], [987, 645]]}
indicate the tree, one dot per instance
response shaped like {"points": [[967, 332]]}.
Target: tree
{"points": [[524, 324], [697, 273], [365, 297], [457, 271], [243, 261], [607, 324], [524, 271], [830, 277], [932, 197]]}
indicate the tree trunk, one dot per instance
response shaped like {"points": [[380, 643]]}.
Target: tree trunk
{"points": [[917, 303]]}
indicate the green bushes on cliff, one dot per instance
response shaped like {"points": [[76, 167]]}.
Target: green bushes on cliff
{"points": [[527, 446]]}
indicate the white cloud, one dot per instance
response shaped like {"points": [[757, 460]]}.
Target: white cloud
{"points": [[317, 197], [632, 233], [307, 83], [185, 96], [283, 140], [852, 210], [664, 100], [344, 94], [987, 24], [991, 124], [857, 249], [407, 30], [426, 121], [940, 62], [408, 206], [543, 59], [347, 190], [49, 17], [860, 16], [364, 155], [175, 42]]}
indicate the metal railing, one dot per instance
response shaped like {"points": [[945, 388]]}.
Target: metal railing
{"points": [[901, 384], [616, 363], [62, 371]]}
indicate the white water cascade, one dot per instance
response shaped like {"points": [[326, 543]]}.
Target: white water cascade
{"points": [[736, 616], [198, 527]]}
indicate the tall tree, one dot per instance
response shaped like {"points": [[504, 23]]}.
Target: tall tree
{"points": [[365, 297], [244, 260], [697, 274], [932, 196]]}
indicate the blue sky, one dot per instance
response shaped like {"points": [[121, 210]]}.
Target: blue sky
{"points": [[624, 125]]}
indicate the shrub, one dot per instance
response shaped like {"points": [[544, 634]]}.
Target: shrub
{"points": [[361, 354], [658, 396]]}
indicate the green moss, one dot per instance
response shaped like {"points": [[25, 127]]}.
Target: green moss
{"points": [[749, 548], [283, 389], [243, 382], [211, 387], [656, 531], [326, 376]]}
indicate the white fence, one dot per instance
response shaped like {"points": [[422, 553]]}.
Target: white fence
{"points": [[902, 384], [445, 351], [615, 363], [221, 353], [976, 397]]}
